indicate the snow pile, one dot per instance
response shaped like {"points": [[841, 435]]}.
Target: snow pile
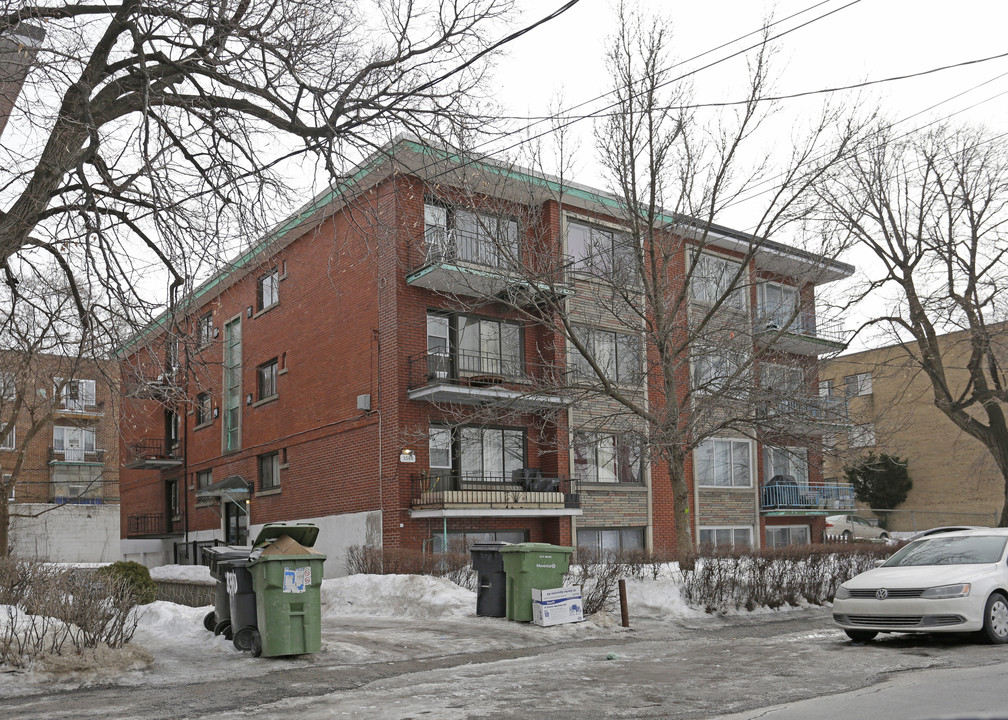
{"points": [[657, 598], [415, 596]]}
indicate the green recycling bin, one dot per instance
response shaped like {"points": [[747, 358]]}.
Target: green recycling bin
{"points": [[287, 578], [532, 565]]}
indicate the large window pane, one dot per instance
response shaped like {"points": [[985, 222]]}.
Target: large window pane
{"points": [[440, 447]]}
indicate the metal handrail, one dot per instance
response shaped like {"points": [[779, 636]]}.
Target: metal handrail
{"points": [[807, 496], [529, 487]]}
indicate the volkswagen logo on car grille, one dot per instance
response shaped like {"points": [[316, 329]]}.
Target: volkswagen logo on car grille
{"points": [[881, 593]]}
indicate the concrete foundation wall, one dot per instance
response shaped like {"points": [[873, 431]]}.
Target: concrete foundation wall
{"points": [[66, 533]]}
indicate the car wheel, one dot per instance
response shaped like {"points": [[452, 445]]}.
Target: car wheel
{"points": [[845, 536], [861, 635], [995, 627], [884, 536]]}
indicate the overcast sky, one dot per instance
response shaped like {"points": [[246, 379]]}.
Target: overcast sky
{"points": [[843, 42]]}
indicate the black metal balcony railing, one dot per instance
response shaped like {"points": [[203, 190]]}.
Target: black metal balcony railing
{"points": [[806, 496], [149, 525], [481, 369], [805, 324], [526, 488], [151, 453]]}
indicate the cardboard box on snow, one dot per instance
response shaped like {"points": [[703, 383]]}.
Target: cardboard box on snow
{"points": [[556, 606]]}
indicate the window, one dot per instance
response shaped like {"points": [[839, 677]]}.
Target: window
{"points": [[479, 238], [8, 440], [440, 447], [204, 329], [269, 471], [782, 535], [791, 461], [722, 463], [77, 394], [73, 442], [862, 435], [617, 354], [783, 380], [172, 494], [484, 346], [825, 388], [491, 453], [231, 440], [267, 375], [607, 459], [204, 479], [860, 384], [718, 369], [204, 411], [8, 385], [610, 540], [714, 279], [600, 252], [269, 289], [727, 537], [489, 346], [70, 482], [777, 304], [8, 483], [462, 540]]}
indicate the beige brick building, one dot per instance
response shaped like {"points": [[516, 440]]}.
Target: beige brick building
{"points": [[891, 405]]}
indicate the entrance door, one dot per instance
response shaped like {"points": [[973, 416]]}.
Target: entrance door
{"points": [[235, 525]]}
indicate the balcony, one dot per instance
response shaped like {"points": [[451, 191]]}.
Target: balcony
{"points": [[475, 379], [151, 525], [151, 454], [819, 415], [790, 497], [803, 335], [526, 494], [79, 409], [466, 264], [76, 456]]}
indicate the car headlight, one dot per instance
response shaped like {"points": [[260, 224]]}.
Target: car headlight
{"points": [[842, 593], [947, 591]]}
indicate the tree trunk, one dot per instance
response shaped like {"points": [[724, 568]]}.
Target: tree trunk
{"points": [[4, 522], [685, 550]]}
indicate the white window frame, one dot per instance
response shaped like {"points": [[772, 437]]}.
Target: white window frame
{"points": [[63, 441], [779, 313], [862, 384], [734, 444], [618, 533], [734, 529], [790, 529], [268, 289], [8, 385], [9, 439], [7, 481], [610, 350], [861, 435], [86, 390], [439, 440], [710, 279], [796, 459]]}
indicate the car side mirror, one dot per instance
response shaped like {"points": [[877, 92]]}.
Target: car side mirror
{"points": [[879, 563]]}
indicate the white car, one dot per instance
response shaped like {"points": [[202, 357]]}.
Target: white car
{"points": [[853, 527], [950, 582]]}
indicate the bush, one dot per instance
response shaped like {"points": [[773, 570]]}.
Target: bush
{"points": [[452, 566], [49, 610], [135, 578], [725, 579]]}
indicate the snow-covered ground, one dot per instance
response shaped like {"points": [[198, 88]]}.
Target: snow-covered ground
{"points": [[365, 618]]}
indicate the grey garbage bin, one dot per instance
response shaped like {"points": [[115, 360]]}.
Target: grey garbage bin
{"points": [[491, 592], [242, 597], [218, 620]]}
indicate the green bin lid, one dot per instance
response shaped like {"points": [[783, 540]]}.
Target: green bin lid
{"points": [[535, 547], [302, 533]]}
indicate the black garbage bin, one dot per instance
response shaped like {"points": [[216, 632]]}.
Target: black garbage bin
{"points": [[218, 620], [242, 597], [491, 593]]}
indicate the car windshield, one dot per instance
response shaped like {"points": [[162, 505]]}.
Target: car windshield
{"points": [[944, 550]]}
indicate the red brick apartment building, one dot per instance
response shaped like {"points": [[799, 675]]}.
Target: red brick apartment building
{"points": [[356, 371]]}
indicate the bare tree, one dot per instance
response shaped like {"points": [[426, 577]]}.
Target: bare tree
{"points": [[655, 300], [932, 208], [153, 137]]}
